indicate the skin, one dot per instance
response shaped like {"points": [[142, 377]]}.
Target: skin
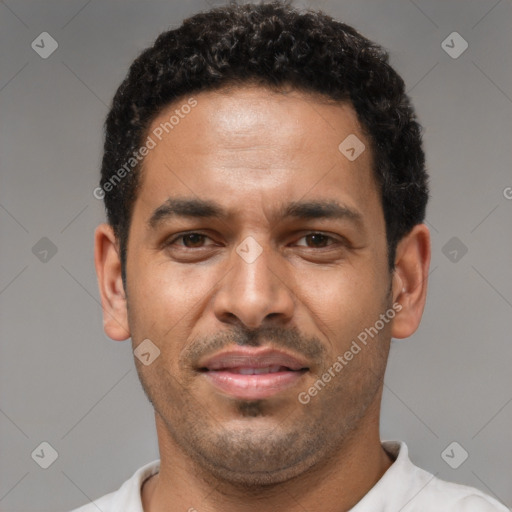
{"points": [[252, 151]]}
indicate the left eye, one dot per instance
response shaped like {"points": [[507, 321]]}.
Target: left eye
{"points": [[318, 240], [190, 240]]}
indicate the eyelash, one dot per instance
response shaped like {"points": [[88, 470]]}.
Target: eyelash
{"points": [[333, 240]]}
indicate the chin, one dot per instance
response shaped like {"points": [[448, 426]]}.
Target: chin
{"points": [[250, 479], [254, 458]]}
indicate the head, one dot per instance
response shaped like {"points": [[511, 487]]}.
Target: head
{"points": [[264, 183]]}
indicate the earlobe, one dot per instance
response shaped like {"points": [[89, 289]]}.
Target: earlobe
{"points": [[410, 278], [108, 270]]}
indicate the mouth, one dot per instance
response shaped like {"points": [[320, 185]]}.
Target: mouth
{"points": [[249, 373]]}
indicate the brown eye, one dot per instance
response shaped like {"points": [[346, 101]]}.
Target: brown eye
{"points": [[188, 241], [317, 240], [193, 240]]}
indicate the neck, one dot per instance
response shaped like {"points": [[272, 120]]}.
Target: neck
{"points": [[338, 483]]}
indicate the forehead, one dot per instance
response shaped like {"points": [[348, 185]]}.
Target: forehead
{"points": [[254, 117], [248, 146]]}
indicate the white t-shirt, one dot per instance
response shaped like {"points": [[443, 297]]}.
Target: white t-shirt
{"points": [[404, 487]]}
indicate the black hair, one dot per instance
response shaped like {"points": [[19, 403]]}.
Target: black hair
{"points": [[271, 44]]}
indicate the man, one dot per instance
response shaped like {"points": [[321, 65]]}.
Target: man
{"points": [[265, 189]]}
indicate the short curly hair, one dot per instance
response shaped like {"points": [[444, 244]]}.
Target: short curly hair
{"points": [[274, 45]]}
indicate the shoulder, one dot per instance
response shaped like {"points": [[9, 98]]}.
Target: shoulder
{"points": [[460, 498], [480, 503], [439, 495], [128, 497], [418, 490]]}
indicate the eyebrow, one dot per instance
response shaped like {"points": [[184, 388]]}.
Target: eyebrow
{"points": [[205, 209]]}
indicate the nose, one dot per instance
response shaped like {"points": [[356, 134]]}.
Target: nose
{"points": [[255, 292]]}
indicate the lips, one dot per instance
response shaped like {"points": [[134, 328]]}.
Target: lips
{"points": [[258, 371], [250, 373]]}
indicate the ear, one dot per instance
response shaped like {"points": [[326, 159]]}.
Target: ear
{"points": [[108, 270], [409, 285]]}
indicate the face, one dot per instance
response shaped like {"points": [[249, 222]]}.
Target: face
{"points": [[256, 257]]}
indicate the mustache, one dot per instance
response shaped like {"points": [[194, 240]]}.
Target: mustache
{"points": [[276, 337]]}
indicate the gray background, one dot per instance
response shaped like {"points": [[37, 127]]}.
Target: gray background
{"points": [[62, 381]]}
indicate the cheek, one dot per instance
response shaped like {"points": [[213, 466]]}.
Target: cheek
{"points": [[162, 296], [342, 301]]}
